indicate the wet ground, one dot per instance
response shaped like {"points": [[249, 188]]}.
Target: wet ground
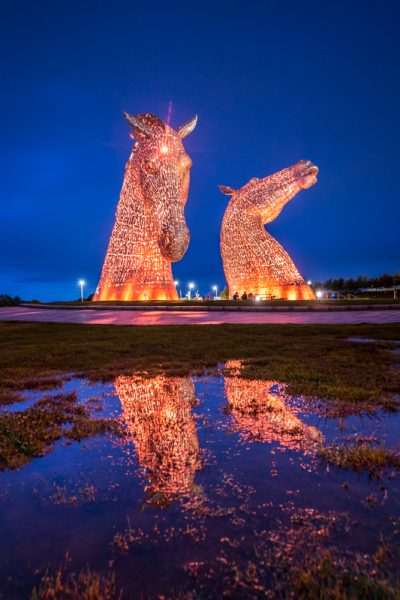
{"points": [[159, 317], [217, 487]]}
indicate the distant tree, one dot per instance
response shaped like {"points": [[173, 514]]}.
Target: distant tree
{"points": [[225, 294], [6, 300], [385, 280], [350, 285]]}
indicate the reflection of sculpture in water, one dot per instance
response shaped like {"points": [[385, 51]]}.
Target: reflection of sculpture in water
{"points": [[261, 415], [254, 262], [159, 418]]}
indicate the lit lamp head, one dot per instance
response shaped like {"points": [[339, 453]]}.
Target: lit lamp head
{"points": [[319, 294], [81, 282]]}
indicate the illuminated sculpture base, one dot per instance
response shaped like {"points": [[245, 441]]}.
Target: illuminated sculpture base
{"points": [[286, 292], [131, 292]]}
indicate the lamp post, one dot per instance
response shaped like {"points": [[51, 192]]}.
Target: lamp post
{"points": [[215, 288], [81, 283], [176, 283], [190, 286]]}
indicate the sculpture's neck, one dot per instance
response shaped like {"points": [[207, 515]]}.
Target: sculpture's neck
{"points": [[246, 227], [132, 195], [269, 197]]}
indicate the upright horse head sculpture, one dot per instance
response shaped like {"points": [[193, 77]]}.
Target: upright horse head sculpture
{"points": [[254, 262], [150, 230]]}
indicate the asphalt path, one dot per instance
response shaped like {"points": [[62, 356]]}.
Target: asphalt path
{"points": [[159, 317]]}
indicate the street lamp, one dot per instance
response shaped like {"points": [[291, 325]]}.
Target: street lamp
{"points": [[176, 283], [81, 283], [190, 286], [319, 294], [309, 282], [215, 288]]}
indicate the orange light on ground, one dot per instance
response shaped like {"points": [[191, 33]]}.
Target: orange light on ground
{"points": [[150, 230], [254, 262]]}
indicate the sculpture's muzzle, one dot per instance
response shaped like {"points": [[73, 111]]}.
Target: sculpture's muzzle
{"points": [[174, 241]]}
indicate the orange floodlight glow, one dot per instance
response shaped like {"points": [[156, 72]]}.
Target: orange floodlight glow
{"points": [[254, 262], [150, 230]]}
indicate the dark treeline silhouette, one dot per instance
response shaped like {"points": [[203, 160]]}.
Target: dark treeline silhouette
{"points": [[6, 300], [362, 282]]}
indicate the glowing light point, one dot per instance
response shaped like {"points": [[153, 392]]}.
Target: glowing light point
{"points": [[81, 283], [190, 286], [254, 262], [319, 294]]}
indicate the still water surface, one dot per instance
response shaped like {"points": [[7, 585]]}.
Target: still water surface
{"points": [[215, 474]]}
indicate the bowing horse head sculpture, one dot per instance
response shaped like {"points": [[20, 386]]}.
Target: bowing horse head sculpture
{"points": [[150, 230], [254, 262]]}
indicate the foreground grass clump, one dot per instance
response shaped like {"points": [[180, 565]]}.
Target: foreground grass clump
{"points": [[363, 457], [31, 433], [321, 579], [85, 585], [315, 360]]}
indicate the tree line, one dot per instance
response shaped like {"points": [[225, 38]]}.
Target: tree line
{"points": [[361, 282]]}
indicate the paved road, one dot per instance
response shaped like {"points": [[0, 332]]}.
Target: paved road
{"points": [[125, 317]]}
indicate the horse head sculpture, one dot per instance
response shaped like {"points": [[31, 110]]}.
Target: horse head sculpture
{"points": [[150, 230], [254, 262]]}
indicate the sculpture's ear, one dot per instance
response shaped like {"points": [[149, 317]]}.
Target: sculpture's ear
{"points": [[140, 129], [225, 189], [187, 127]]}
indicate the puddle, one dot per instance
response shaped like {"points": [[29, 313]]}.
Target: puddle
{"points": [[372, 341], [215, 476]]}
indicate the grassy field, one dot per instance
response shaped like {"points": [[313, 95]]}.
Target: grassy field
{"points": [[317, 360]]}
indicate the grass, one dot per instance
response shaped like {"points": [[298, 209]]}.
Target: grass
{"points": [[321, 579], [362, 457], [85, 585], [315, 360], [31, 433]]}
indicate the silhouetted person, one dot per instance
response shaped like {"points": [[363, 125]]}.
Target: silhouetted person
{"points": [[251, 297], [244, 296], [236, 296]]}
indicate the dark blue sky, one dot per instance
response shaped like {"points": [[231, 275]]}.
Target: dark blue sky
{"points": [[272, 82]]}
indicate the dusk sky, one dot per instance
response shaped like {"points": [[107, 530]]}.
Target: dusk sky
{"points": [[272, 83]]}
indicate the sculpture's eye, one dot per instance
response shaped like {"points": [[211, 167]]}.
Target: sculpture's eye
{"points": [[150, 166]]}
